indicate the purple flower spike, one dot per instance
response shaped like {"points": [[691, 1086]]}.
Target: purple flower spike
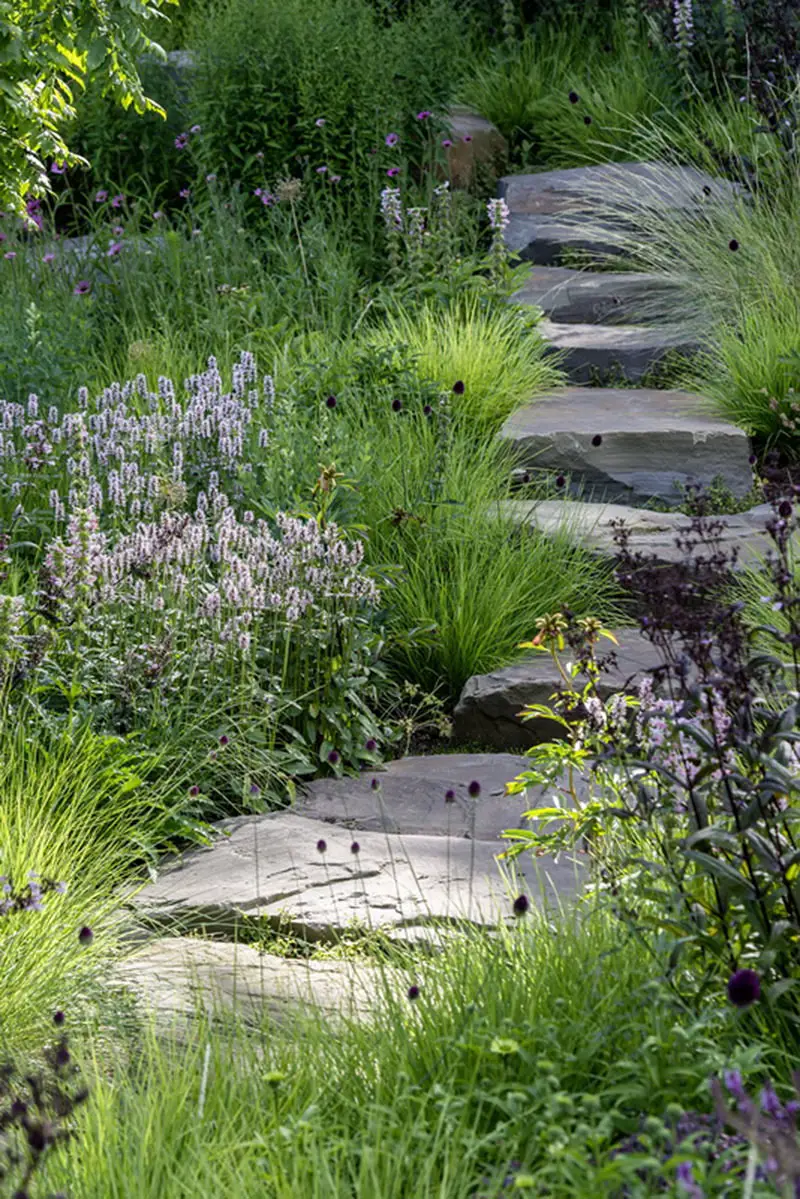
{"points": [[744, 988], [686, 1181], [733, 1084], [391, 139]]}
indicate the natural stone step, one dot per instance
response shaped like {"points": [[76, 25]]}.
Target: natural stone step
{"points": [[176, 978], [652, 442], [411, 797], [652, 533], [490, 704], [269, 867], [598, 297], [595, 207], [586, 350]]}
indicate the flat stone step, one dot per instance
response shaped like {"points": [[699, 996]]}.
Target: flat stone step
{"points": [[409, 884], [599, 297], [652, 533], [652, 442], [595, 208], [490, 704], [586, 350], [176, 978]]}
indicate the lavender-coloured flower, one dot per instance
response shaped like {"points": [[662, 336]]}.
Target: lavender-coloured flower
{"points": [[113, 249], [185, 193], [100, 196], [58, 168], [424, 114], [446, 143], [391, 139], [393, 172], [118, 200], [196, 129], [181, 141], [10, 255], [82, 288]]}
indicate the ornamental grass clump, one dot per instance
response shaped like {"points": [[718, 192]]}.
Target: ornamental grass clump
{"points": [[692, 816]]}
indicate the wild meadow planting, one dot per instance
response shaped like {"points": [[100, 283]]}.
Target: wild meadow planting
{"points": [[267, 531]]}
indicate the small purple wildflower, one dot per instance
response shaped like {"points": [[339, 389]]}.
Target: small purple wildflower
{"points": [[184, 193], [322, 845], [686, 1181], [10, 255], [733, 244], [330, 402], [118, 201], [372, 745], [210, 178], [196, 129], [255, 789], [427, 410], [355, 847], [423, 116], [82, 288], [320, 122], [375, 785], [158, 215], [113, 249], [467, 137], [521, 905], [744, 988], [446, 143], [58, 168], [86, 936], [100, 196], [223, 740], [733, 1083], [322, 170], [58, 1018], [335, 178], [195, 790], [449, 795], [118, 230], [770, 1103], [560, 480], [3, 236], [391, 139], [458, 387], [474, 789], [397, 405], [573, 97], [392, 172], [181, 141], [334, 757], [413, 991]]}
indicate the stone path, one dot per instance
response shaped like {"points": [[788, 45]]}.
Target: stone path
{"points": [[651, 442], [424, 864], [598, 297], [488, 711]]}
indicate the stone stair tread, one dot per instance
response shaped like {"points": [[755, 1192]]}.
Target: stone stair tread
{"points": [[653, 442], [584, 350], [406, 883], [589, 297]]}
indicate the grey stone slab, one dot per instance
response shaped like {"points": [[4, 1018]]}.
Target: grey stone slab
{"points": [[652, 533], [269, 867], [598, 208], [176, 978], [599, 297], [584, 350], [490, 704], [411, 797], [652, 442]]}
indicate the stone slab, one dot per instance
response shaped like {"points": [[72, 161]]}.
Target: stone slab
{"points": [[651, 441], [543, 239], [598, 297], [177, 977], [585, 350], [269, 867], [650, 532], [490, 704], [411, 797], [476, 142]]}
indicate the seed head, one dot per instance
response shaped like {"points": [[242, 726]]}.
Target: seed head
{"points": [[322, 845], [733, 244], [744, 988], [397, 405], [413, 991], [458, 388], [86, 936], [521, 905], [450, 796], [574, 97], [355, 847], [597, 440], [330, 402], [474, 789], [333, 757]]}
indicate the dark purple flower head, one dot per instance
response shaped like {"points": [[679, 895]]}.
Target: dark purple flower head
{"points": [[85, 936], [397, 405], [458, 387], [597, 440], [58, 168], [100, 196], [587, 120], [333, 757], [423, 116], [446, 143], [744, 988], [391, 139], [733, 244], [450, 795], [113, 249], [181, 141], [574, 97], [330, 402], [223, 740], [393, 171], [58, 1018], [560, 480], [355, 847], [322, 845], [255, 789], [521, 905], [372, 745], [195, 790], [118, 201], [427, 410], [785, 509], [375, 784], [413, 991], [752, 459], [467, 137], [82, 288], [733, 1083], [474, 789]]}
